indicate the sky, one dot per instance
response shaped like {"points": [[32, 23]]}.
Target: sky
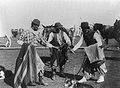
{"points": [[20, 13]]}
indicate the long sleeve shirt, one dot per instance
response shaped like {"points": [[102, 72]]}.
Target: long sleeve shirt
{"points": [[96, 36], [30, 36], [59, 39]]}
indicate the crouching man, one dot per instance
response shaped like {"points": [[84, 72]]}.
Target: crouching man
{"points": [[94, 52], [58, 42]]}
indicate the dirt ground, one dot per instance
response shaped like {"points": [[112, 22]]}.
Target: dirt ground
{"points": [[112, 78]]}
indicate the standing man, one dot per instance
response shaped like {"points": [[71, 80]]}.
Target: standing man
{"points": [[94, 43], [59, 42], [72, 35], [29, 67]]}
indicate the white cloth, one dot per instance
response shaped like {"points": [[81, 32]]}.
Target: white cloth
{"points": [[96, 36], [2, 75], [94, 53], [93, 49], [59, 39], [78, 45]]}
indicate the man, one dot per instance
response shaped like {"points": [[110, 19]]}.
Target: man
{"points": [[3, 42], [29, 67], [59, 42], [72, 36], [94, 51]]}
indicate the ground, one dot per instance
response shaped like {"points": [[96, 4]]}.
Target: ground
{"points": [[112, 78]]}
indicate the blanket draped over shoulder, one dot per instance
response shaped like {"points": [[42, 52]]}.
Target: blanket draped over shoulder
{"points": [[28, 65]]}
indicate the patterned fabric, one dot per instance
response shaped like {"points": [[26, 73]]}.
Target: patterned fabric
{"points": [[28, 65], [30, 36], [27, 37]]}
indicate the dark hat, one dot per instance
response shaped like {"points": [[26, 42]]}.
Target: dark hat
{"points": [[98, 26], [85, 25], [58, 24], [36, 21]]}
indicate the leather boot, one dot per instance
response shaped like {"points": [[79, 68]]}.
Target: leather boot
{"points": [[42, 82], [62, 71], [53, 74]]}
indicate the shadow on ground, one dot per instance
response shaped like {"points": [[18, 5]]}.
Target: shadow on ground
{"points": [[9, 78], [69, 76], [113, 58], [45, 59], [82, 85]]}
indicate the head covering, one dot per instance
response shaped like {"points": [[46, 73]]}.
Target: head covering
{"points": [[84, 25], [98, 26], [58, 24], [36, 21]]}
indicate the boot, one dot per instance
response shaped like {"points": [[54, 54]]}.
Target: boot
{"points": [[101, 79], [42, 82], [62, 71], [53, 74], [82, 80], [23, 85]]}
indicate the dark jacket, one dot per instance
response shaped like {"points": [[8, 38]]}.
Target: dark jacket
{"points": [[89, 37]]}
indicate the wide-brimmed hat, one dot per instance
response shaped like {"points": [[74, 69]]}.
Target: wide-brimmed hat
{"points": [[58, 24], [36, 21]]}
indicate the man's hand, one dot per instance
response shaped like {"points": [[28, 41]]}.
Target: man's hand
{"points": [[101, 46], [72, 51], [56, 47], [51, 46], [20, 42], [42, 43]]}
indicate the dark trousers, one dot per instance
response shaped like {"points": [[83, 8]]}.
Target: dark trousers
{"points": [[60, 55], [91, 67]]}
